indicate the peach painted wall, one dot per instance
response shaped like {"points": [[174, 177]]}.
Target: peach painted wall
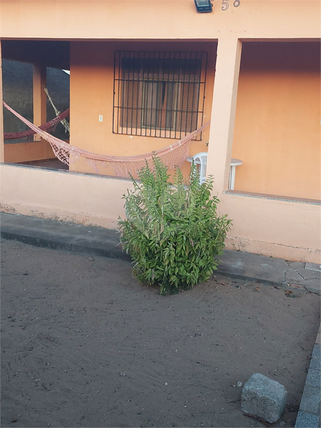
{"points": [[277, 132], [277, 129], [79, 198], [285, 229], [91, 95], [25, 152], [158, 19]]}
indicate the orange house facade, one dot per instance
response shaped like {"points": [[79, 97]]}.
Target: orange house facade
{"points": [[145, 73]]}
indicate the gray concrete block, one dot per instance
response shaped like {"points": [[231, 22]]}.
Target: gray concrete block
{"points": [[241, 264], [306, 420], [316, 353], [264, 398], [313, 266], [313, 378], [313, 285], [314, 364], [310, 402], [296, 265]]}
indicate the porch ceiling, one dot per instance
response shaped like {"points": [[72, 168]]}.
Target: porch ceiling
{"points": [[55, 54]]}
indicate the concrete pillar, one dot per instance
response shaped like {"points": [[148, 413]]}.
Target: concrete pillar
{"points": [[39, 97], [223, 111], [1, 113]]}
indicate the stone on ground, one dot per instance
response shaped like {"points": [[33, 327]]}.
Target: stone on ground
{"points": [[264, 398]]}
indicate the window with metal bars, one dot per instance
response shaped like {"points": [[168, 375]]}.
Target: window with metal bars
{"points": [[158, 94]]}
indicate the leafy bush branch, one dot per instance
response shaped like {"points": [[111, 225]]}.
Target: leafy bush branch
{"points": [[172, 230]]}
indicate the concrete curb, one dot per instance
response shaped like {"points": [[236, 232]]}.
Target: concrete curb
{"points": [[94, 240], [309, 412], [71, 237]]}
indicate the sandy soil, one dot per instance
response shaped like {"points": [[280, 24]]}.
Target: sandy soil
{"points": [[85, 345]]}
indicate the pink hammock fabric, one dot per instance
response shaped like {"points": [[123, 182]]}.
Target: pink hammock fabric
{"points": [[45, 127], [123, 166]]}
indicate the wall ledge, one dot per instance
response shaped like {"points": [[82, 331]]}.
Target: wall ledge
{"points": [[273, 197], [27, 165]]}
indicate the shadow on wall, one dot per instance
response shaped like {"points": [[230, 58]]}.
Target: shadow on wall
{"points": [[17, 92]]}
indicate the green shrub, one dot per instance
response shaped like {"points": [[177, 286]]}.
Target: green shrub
{"points": [[172, 231]]}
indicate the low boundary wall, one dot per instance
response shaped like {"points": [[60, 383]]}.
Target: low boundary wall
{"points": [[272, 227]]}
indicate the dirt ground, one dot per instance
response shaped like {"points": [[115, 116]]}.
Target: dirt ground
{"points": [[85, 345]]}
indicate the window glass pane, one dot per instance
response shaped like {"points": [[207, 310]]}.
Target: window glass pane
{"points": [[152, 94]]}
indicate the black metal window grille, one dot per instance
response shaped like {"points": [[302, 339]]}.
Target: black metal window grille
{"points": [[158, 94]]}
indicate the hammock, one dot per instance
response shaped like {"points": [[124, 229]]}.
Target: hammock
{"points": [[123, 166], [46, 127]]}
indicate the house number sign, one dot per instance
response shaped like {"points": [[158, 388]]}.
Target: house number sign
{"points": [[225, 4]]}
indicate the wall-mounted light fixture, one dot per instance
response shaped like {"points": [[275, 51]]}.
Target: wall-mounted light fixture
{"points": [[203, 6]]}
